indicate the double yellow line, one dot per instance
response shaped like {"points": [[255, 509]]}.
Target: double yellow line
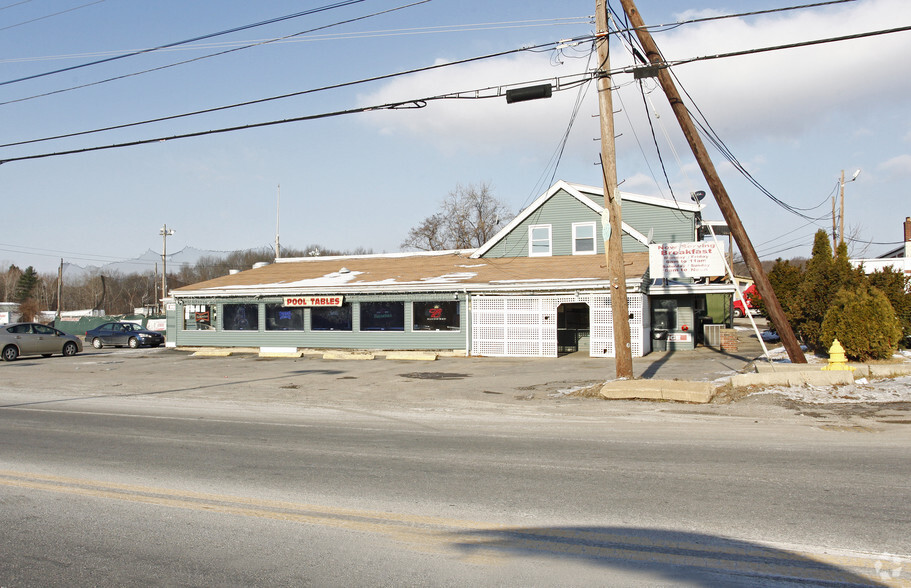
{"points": [[485, 543]]}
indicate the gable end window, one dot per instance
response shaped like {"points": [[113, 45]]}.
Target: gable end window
{"points": [[584, 239], [539, 243]]}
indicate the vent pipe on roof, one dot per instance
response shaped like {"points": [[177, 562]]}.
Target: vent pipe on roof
{"points": [[231, 272], [260, 264]]}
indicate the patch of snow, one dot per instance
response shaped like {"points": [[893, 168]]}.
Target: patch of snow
{"points": [[891, 390]]}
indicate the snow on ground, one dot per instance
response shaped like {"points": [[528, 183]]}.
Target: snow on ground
{"points": [[863, 390], [876, 391]]}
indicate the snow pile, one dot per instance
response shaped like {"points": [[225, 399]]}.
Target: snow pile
{"points": [[891, 390]]}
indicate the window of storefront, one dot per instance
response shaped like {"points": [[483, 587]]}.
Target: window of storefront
{"points": [[331, 318], [539, 240], [199, 317], [282, 318], [241, 317], [436, 316], [382, 316], [583, 238]]}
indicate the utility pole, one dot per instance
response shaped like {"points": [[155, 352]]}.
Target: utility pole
{"points": [[613, 229], [60, 290], [835, 218], [278, 205], [841, 214], [165, 232], [721, 196]]}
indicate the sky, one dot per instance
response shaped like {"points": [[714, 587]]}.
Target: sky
{"points": [[793, 118]]}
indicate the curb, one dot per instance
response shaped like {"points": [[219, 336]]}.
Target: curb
{"points": [[348, 355], [411, 355], [675, 390], [794, 378]]}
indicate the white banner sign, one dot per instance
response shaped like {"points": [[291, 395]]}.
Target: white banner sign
{"points": [[685, 260]]}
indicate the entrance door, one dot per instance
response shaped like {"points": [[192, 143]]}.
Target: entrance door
{"points": [[573, 327]]}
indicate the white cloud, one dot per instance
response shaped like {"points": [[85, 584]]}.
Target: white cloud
{"points": [[897, 167], [779, 95]]}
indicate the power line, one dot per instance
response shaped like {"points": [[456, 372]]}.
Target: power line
{"points": [[415, 103], [797, 45], [428, 30], [200, 58], [46, 16], [294, 94], [186, 41]]}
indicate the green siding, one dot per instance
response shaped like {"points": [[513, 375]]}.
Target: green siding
{"points": [[354, 339], [562, 210]]}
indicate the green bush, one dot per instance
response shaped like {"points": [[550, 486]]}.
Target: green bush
{"points": [[863, 320]]}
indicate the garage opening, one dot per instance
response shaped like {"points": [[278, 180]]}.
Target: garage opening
{"points": [[573, 327]]}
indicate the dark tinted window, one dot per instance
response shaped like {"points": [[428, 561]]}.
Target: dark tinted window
{"points": [[241, 317], [436, 316], [331, 318], [282, 318], [382, 316]]}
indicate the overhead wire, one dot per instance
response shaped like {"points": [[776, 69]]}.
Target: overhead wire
{"points": [[428, 30], [413, 103], [339, 4], [19, 24], [289, 95], [202, 57]]}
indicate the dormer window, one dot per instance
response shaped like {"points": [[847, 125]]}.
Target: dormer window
{"points": [[584, 239], [539, 244]]}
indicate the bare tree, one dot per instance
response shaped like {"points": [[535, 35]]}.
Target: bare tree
{"points": [[468, 218]]}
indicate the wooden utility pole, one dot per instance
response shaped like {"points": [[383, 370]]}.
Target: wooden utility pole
{"points": [[613, 244], [721, 196], [60, 290]]}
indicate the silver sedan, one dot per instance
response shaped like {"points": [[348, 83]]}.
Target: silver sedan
{"points": [[36, 339]]}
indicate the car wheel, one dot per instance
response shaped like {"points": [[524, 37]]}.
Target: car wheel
{"points": [[96, 343], [10, 353], [134, 342], [738, 313], [70, 349]]}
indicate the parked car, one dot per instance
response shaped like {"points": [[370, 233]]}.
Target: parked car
{"points": [[120, 334], [36, 339]]}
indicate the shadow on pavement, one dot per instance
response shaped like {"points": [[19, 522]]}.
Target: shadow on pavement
{"points": [[682, 557]]}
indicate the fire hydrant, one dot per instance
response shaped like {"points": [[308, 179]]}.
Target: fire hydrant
{"points": [[837, 359]]}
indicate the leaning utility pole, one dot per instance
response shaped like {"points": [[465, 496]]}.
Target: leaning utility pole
{"points": [[721, 196], [613, 229]]}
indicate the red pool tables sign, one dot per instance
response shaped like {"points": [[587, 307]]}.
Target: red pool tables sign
{"points": [[313, 301]]}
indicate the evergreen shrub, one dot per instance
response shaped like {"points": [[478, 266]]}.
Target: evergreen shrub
{"points": [[863, 320]]}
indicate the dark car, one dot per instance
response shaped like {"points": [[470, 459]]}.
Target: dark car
{"points": [[120, 334], [36, 339]]}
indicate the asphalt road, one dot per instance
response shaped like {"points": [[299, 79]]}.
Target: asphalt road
{"points": [[151, 467]]}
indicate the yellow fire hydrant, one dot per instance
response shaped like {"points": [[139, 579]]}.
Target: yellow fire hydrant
{"points": [[837, 359]]}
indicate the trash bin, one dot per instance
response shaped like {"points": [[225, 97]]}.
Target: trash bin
{"points": [[659, 340]]}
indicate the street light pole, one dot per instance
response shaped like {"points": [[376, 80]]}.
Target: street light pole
{"points": [[165, 232], [841, 213]]}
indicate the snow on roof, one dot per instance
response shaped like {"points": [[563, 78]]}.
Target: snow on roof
{"points": [[413, 272]]}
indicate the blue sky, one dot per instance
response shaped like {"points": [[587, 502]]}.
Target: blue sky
{"points": [[793, 118]]}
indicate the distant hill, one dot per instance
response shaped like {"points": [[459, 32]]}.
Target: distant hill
{"points": [[144, 264]]}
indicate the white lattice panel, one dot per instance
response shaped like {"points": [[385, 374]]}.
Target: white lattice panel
{"points": [[602, 325], [526, 326]]}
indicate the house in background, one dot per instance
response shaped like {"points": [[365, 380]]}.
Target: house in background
{"points": [[537, 289], [899, 259]]}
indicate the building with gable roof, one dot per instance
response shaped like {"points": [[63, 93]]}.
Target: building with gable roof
{"points": [[537, 289]]}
